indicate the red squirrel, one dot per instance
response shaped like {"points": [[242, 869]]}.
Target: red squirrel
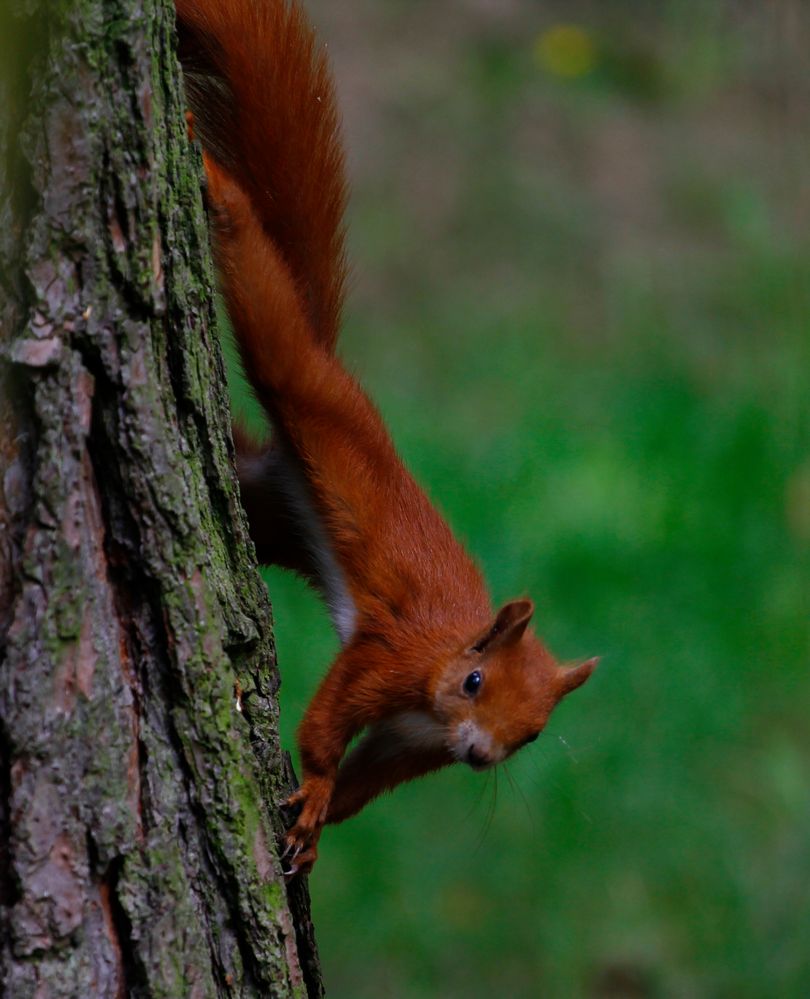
{"points": [[428, 672]]}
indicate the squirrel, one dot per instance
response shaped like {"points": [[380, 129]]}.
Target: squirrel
{"points": [[428, 672]]}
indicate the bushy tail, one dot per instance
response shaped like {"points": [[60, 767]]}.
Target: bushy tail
{"points": [[264, 108]]}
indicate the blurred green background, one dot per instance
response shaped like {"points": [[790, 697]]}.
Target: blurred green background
{"points": [[581, 256]]}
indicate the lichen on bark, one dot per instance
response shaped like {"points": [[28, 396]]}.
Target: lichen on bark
{"points": [[140, 769]]}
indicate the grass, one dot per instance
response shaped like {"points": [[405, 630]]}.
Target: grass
{"points": [[581, 303]]}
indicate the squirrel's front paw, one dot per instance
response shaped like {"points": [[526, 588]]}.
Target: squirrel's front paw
{"points": [[302, 839]]}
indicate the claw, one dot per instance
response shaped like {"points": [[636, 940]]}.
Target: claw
{"points": [[299, 849], [292, 849]]}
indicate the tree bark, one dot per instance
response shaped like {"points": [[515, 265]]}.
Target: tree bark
{"points": [[140, 769]]}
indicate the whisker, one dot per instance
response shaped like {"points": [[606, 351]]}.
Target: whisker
{"points": [[568, 747], [545, 775], [479, 798], [491, 813], [517, 789]]}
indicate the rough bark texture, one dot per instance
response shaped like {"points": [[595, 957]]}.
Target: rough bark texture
{"points": [[140, 769]]}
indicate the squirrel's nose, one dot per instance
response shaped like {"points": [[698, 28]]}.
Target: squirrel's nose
{"points": [[476, 759]]}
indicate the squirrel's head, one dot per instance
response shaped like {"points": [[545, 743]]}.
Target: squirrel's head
{"points": [[496, 695]]}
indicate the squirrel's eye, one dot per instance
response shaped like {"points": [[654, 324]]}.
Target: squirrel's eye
{"points": [[472, 683]]}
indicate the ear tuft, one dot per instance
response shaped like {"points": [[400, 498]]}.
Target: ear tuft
{"points": [[570, 679], [508, 627]]}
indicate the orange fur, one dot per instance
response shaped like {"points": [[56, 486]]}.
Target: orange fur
{"points": [[263, 100], [412, 609]]}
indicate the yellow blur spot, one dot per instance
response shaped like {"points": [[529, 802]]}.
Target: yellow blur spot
{"points": [[565, 50]]}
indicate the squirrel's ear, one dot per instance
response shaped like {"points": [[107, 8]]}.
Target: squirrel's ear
{"points": [[575, 676], [508, 626]]}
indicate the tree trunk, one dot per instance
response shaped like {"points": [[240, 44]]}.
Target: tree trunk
{"points": [[140, 770]]}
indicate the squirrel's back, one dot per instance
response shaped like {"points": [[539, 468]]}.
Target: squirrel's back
{"points": [[263, 102], [426, 668]]}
